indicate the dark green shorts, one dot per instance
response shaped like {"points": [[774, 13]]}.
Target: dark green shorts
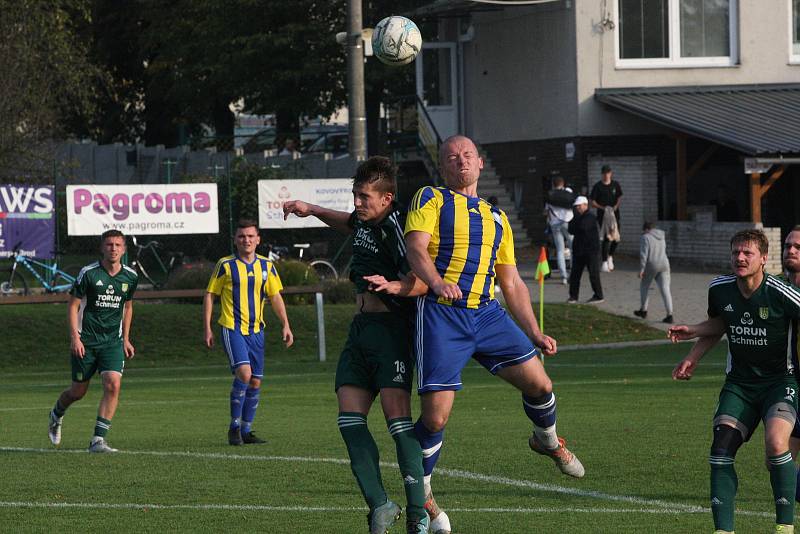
{"points": [[104, 358], [744, 405], [377, 353]]}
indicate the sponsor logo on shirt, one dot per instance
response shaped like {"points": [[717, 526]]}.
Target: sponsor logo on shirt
{"points": [[363, 239], [728, 308]]}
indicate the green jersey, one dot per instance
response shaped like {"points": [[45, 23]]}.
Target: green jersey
{"points": [[759, 329], [380, 249], [102, 302]]}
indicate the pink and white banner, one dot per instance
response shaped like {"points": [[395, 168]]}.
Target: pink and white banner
{"points": [[332, 193], [147, 209]]}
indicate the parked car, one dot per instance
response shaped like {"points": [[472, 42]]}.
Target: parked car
{"points": [[336, 143], [263, 140]]}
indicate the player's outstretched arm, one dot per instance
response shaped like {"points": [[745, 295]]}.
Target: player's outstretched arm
{"points": [[279, 307], [518, 299], [75, 344], [408, 286], [208, 309], [713, 326], [685, 368], [127, 319], [422, 265], [335, 219]]}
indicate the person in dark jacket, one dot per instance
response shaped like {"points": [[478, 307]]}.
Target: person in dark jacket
{"points": [[585, 251]]}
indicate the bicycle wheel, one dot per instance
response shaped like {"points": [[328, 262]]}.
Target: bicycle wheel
{"points": [[325, 270], [14, 285]]}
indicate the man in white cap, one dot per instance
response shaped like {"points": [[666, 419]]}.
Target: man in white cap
{"points": [[585, 251]]}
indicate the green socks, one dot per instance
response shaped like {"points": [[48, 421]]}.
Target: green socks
{"points": [[783, 477], [58, 409], [101, 427], [409, 459], [364, 457], [723, 491]]}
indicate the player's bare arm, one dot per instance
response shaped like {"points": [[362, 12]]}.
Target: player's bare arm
{"points": [[408, 286], [335, 219], [422, 265], [279, 307], [208, 309], [685, 368], [127, 319], [713, 326], [518, 300], [75, 344]]}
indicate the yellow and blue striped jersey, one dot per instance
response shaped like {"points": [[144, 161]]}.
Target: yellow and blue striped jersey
{"points": [[469, 237], [243, 287]]}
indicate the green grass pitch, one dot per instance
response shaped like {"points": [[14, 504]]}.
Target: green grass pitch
{"points": [[642, 437]]}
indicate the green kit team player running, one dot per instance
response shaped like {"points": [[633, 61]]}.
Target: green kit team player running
{"points": [[755, 310], [100, 311], [376, 357]]}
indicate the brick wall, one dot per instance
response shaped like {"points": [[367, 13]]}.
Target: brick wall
{"points": [[707, 243]]}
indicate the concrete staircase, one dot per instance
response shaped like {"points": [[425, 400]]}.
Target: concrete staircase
{"points": [[489, 185]]}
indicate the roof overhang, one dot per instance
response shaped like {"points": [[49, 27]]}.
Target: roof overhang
{"points": [[758, 120], [461, 8]]}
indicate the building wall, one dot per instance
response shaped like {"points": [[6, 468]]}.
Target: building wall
{"points": [[519, 74], [706, 243], [763, 53], [529, 166], [638, 178]]}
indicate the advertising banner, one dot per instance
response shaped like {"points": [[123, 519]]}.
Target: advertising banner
{"points": [[143, 209], [331, 193], [27, 220]]}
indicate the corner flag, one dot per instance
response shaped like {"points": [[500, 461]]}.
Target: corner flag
{"points": [[542, 270], [543, 267]]}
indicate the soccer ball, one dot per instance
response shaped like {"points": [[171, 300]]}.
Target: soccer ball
{"points": [[396, 40]]}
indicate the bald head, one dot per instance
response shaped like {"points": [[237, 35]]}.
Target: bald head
{"points": [[460, 163]]}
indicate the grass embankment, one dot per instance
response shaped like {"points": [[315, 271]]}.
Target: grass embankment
{"points": [[162, 333]]}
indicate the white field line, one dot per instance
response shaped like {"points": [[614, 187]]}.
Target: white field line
{"points": [[664, 506], [268, 508]]}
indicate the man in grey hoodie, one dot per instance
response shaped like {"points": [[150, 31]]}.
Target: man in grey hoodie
{"points": [[653, 264]]}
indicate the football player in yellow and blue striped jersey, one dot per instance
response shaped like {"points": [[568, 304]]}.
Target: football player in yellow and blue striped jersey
{"points": [[244, 281], [457, 244]]}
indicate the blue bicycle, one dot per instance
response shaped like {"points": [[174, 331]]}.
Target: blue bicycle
{"points": [[52, 278]]}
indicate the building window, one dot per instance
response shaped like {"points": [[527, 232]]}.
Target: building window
{"points": [[795, 21], [643, 29], [680, 33]]}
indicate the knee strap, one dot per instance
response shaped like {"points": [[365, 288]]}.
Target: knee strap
{"points": [[727, 441]]}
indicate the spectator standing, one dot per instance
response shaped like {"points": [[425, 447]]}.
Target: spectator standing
{"points": [[653, 265], [558, 210], [607, 192], [289, 147], [585, 251]]}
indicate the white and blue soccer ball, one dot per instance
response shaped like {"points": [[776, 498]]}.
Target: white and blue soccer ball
{"points": [[396, 40]]}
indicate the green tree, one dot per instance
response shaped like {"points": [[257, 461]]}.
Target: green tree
{"points": [[48, 84]]}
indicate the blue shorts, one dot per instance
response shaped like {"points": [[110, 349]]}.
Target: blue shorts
{"points": [[244, 350], [447, 337]]}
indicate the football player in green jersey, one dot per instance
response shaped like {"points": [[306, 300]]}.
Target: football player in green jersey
{"points": [[100, 311], [756, 311], [376, 358]]}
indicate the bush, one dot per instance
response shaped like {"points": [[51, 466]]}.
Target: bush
{"points": [[191, 276], [339, 292]]}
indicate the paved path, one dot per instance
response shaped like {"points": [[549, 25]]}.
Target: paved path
{"points": [[621, 291]]}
